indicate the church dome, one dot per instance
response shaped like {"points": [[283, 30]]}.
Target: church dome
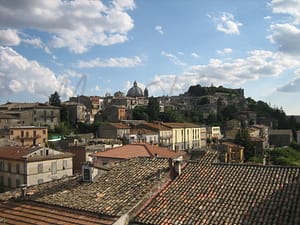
{"points": [[135, 91]]}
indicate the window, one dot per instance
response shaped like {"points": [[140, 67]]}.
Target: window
{"points": [[9, 182], [18, 168], [40, 181], [11, 132], [47, 151], [1, 166], [40, 168], [44, 131], [9, 167], [34, 133], [18, 182], [22, 133], [27, 134], [65, 164], [53, 167], [1, 180]]}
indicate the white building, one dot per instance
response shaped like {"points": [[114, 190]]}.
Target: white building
{"points": [[30, 166]]}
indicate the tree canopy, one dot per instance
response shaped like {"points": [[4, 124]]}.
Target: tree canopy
{"points": [[54, 99]]}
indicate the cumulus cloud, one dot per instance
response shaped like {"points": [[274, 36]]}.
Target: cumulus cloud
{"points": [[17, 74], [233, 72], [224, 51], [9, 37], [121, 62], [287, 37], [159, 29], [195, 55], [289, 7], [77, 25], [173, 58], [226, 23]]}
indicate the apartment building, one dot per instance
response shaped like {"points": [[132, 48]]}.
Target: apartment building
{"points": [[29, 135], [32, 165]]}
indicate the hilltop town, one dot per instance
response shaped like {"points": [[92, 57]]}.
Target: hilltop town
{"points": [[206, 156]]}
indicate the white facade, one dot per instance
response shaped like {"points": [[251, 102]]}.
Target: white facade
{"points": [[41, 165]]}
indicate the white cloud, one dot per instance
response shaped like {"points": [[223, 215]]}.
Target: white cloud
{"points": [[17, 74], [292, 87], [77, 25], [290, 7], [195, 55], [173, 58], [224, 51], [232, 72], [226, 23], [35, 42], [159, 29], [287, 37], [121, 62], [9, 37]]}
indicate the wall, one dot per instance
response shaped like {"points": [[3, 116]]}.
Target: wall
{"points": [[47, 173]]}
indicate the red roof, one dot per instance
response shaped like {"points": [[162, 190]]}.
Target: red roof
{"points": [[138, 150], [14, 152]]}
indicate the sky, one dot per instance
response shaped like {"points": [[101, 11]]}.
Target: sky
{"points": [[100, 47]]}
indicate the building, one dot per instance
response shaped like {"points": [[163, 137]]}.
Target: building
{"points": [[230, 153], [280, 138], [113, 130], [164, 133], [7, 121], [214, 133], [142, 191], [32, 165], [77, 112], [216, 193], [33, 114], [142, 135], [186, 136], [29, 135], [132, 151]]}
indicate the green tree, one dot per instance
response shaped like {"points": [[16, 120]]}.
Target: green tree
{"points": [[54, 99], [140, 113], [243, 138], [153, 109]]}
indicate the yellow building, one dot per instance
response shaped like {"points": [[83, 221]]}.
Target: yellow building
{"points": [[29, 135], [233, 153], [187, 135]]}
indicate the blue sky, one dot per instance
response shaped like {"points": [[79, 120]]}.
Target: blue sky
{"points": [[98, 47]]}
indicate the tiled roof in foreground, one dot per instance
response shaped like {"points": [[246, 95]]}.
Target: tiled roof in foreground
{"points": [[227, 194], [114, 193], [27, 212]]}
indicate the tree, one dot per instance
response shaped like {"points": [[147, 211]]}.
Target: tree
{"points": [[243, 138], [140, 113], [153, 109], [54, 99]]}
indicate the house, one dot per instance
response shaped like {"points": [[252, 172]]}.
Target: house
{"points": [[112, 113], [131, 151], [7, 121], [214, 133], [114, 197], [36, 114], [186, 136], [280, 138], [230, 152], [164, 133], [140, 191], [77, 112], [29, 135], [32, 165], [113, 130], [142, 135], [216, 193]]}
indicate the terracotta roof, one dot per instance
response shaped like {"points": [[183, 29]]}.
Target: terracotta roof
{"points": [[181, 125], [142, 131], [113, 193], [208, 193], [14, 152], [28, 212], [119, 125], [20, 153], [156, 126], [138, 150]]}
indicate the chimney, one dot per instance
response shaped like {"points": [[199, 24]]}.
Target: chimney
{"points": [[175, 168]]}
